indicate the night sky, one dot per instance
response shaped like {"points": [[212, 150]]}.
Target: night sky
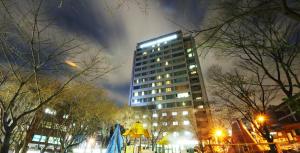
{"points": [[116, 26]]}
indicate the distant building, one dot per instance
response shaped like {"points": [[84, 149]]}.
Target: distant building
{"points": [[285, 123], [167, 79]]}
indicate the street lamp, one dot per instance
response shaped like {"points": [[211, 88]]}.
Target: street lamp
{"points": [[261, 118], [218, 133]]}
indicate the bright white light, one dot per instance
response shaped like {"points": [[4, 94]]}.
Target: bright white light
{"points": [[186, 122], [185, 113], [192, 66], [151, 43], [155, 124], [144, 116], [155, 115], [187, 133], [175, 134], [183, 95], [50, 111], [164, 114], [175, 123], [144, 125], [174, 113], [159, 106]]}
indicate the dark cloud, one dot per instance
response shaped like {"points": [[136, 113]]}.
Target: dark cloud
{"points": [[118, 28]]}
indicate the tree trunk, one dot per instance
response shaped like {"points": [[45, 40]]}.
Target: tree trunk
{"points": [[5, 145]]}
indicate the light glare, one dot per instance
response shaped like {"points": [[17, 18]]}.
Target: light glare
{"points": [[151, 43]]}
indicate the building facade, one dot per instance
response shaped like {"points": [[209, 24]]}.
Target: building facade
{"points": [[167, 80]]}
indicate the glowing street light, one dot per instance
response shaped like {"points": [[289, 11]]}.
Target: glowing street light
{"points": [[261, 118], [70, 63], [218, 133]]}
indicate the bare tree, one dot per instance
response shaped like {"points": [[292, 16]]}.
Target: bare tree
{"points": [[224, 13], [270, 44], [246, 94], [79, 116], [28, 54]]}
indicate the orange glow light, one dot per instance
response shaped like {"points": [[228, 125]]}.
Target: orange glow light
{"points": [[70, 63], [261, 118]]}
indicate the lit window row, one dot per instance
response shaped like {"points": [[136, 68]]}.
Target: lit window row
{"points": [[175, 123], [150, 59], [160, 64], [158, 77], [178, 88], [50, 111], [164, 114], [159, 98], [160, 70], [160, 83], [154, 91]]}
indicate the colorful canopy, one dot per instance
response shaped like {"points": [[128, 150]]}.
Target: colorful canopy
{"points": [[136, 131], [116, 142]]}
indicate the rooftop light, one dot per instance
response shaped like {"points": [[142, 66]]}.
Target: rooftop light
{"points": [[164, 39]]}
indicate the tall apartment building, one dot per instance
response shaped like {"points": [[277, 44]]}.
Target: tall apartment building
{"points": [[167, 79]]}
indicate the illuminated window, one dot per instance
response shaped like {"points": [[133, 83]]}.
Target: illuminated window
{"points": [[174, 113], [175, 123], [159, 90], [50, 111], [137, 81], [145, 116], [183, 95], [198, 98], [192, 66], [189, 50], [153, 84], [158, 83], [159, 77], [144, 80], [39, 138], [159, 98], [183, 104], [164, 123], [200, 106], [185, 113], [159, 106], [155, 134], [158, 59], [193, 72], [66, 116], [186, 122], [190, 55], [136, 94], [155, 124], [158, 49], [143, 93], [164, 114], [168, 89], [167, 63], [152, 99], [167, 75], [144, 53], [144, 125], [155, 115], [168, 82], [153, 92]]}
